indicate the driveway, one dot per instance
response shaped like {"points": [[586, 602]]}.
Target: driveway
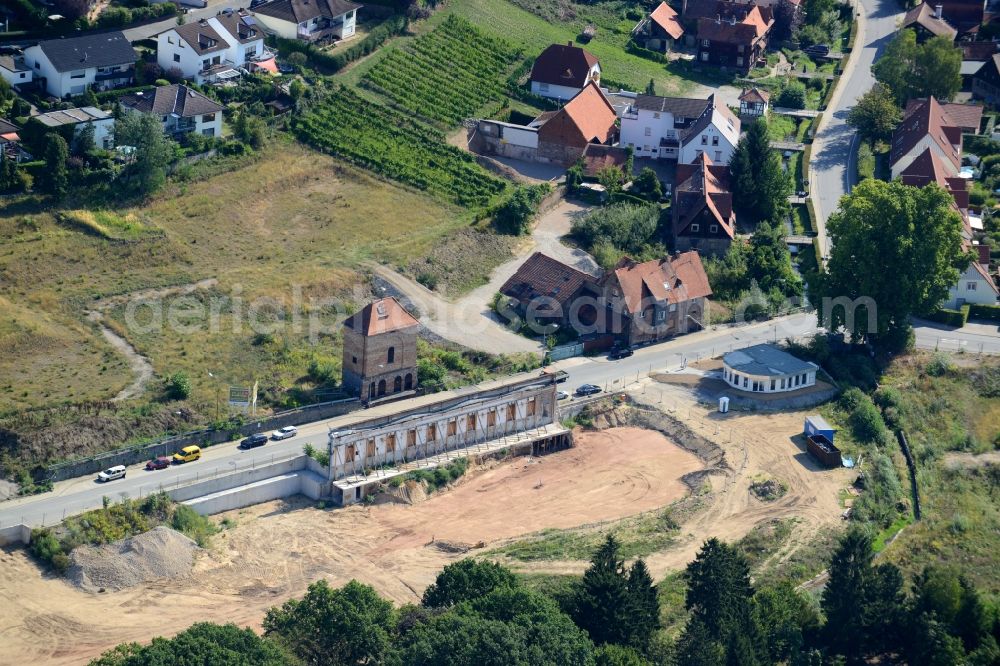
{"points": [[469, 321], [831, 169]]}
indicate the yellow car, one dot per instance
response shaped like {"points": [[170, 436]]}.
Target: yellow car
{"points": [[187, 454]]}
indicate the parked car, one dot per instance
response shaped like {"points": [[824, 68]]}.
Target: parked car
{"points": [[257, 3], [817, 49], [561, 395], [284, 433], [617, 354], [187, 454], [162, 462], [111, 473], [254, 440], [588, 389]]}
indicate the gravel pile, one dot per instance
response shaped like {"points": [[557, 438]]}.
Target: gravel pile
{"points": [[159, 553]]}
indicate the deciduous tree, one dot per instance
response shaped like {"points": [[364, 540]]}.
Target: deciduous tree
{"points": [[466, 580], [900, 247], [151, 153], [56, 179], [919, 70], [876, 115]]}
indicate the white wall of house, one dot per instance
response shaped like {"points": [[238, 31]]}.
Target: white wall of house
{"points": [[643, 130], [104, 131], [564, 93], [209, 124], [972, 287], [62, 84], [283, 29], [16, 78], [717, 140], [172, 52], [768, 384]]}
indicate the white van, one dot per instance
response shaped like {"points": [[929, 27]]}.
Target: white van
{"points": [[116, 472]]}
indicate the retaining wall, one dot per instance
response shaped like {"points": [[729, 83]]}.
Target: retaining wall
{"points": [[169, 445], [248, 477], [15, 534], [301, 482]]}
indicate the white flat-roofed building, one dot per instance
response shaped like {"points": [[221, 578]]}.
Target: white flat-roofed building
{"points": [[767, 369]]}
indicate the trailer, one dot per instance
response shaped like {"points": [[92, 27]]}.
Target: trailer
{"points": [[817, 425], [823, 450]]}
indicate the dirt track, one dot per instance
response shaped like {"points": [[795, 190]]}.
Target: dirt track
{"points": [[278, 548]]}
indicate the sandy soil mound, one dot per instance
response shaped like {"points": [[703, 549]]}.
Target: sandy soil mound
{"points": [[159, 553]]}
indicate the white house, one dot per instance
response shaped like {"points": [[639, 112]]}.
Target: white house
{"points": [[677, 128], [70, 65], [15, 70], [975, 286], [309, 20], [213, 48], [767, 369], [180, 109], [563, 70], [102, 122], [715, 133]]}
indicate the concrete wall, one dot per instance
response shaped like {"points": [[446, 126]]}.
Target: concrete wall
{"points": [[14, 535], [94, 464], [302, 482]]}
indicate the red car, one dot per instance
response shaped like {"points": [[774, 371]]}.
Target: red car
{"points": [[162, 462]]}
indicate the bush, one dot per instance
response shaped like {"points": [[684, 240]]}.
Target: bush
{"points": [[956, 318], [939, 365], [46, 547], [627, 227], [514, 215], [991, 312], [867, 424], [792, 96], [852, 398], [866, 162], [178, 386], [191, 523]]}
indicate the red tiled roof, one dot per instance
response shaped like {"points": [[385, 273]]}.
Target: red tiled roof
{"points": [[927, 118], [597, 157], [702, 185], [563, 65], [671, 280], [542, 275], [587, 118], [979, 50], [665, 17], [966, 116], [923, 15], [382, 316], [755, 95]]}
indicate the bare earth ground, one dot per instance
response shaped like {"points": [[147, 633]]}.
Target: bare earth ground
{"points": [[277, 549]]}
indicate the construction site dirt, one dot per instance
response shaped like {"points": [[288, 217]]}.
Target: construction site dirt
{"points": [[273, 551]]}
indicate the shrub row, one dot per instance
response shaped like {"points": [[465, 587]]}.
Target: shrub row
{"points": [[991, 312], [394, 25], [648, 54], [956, 318]]}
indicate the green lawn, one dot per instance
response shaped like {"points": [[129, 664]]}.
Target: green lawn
{"points": [[514, 24]]}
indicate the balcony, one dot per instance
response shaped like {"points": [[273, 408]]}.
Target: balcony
{"points": [[110, 74]]}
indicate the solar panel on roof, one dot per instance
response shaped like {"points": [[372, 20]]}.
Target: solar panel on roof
{"points": [[249, 20]]}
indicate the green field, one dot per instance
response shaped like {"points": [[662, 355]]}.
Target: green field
{"points": [[391, 144], [445, 75]]}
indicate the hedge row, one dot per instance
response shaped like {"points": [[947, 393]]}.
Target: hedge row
{"points": [[394, 25], [991, 312], [648, 54], [956, 318]]}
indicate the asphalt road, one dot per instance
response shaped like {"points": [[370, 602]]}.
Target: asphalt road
{"points": [[81, 494], [831, 168], [152, 29]]}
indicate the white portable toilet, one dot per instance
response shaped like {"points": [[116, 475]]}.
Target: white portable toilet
{"points": [[724, 404]]}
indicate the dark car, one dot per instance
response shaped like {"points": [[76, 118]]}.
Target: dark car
{"points": [[253, 441], [162, 462], [588, 389], [616, 354], [818, 49]]}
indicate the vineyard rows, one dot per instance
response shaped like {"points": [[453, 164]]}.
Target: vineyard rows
{"points": [[445, 75], [391, 144]]}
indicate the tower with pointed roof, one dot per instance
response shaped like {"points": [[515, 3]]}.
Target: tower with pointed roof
{"points": [[380, 351]]}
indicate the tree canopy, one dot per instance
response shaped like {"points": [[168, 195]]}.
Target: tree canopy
{"points": [[913, 70], [153, 152], [466, 580], [201, 644], [55, 180], [876, 114], [896, 249]]}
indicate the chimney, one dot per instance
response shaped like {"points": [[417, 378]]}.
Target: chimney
{"points": [[937, 11], [984, 254], [569, 43], [732, 20]]}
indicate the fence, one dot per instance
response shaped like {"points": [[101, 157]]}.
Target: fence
{"points": [[565, 351], [137, 454]]}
